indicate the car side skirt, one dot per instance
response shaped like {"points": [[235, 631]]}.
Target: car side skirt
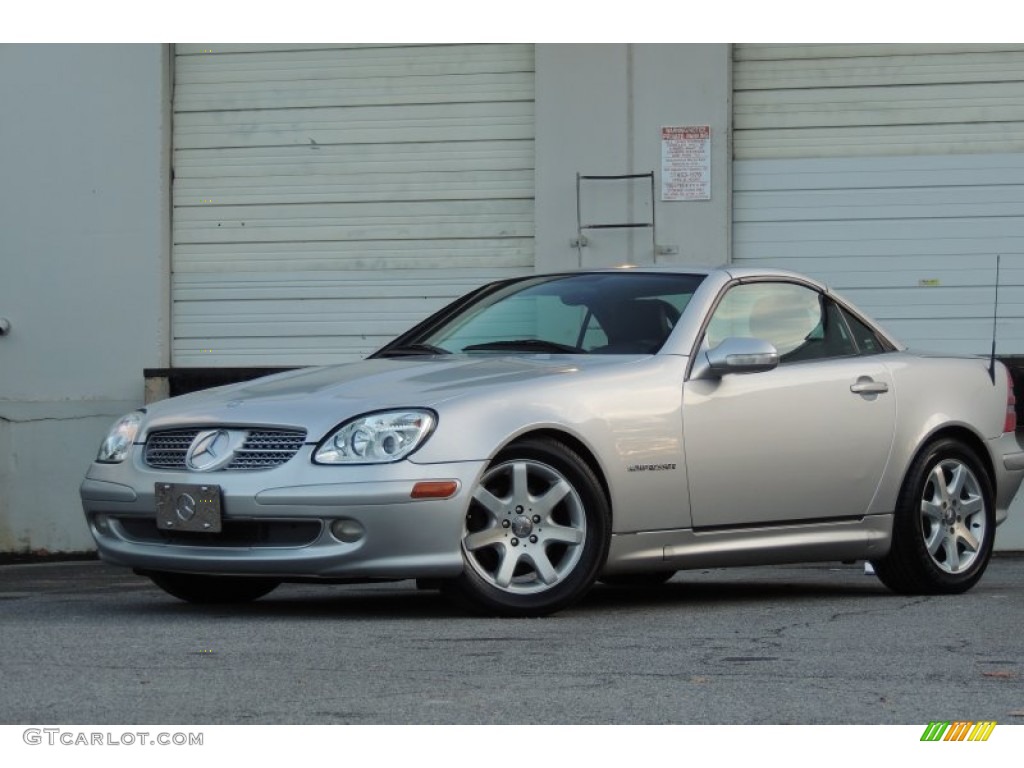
{"points": [[864, 538]]}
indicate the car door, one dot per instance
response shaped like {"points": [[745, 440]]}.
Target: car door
{"points": [[808, 440]]}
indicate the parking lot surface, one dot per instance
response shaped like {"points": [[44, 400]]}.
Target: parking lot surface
{"points": [[84, 642]]}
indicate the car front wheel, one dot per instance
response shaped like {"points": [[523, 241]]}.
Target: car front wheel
{"points": [[194, 588], [944, 524], [536, 532]]}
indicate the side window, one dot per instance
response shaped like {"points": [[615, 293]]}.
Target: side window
{"points": [[867, 340], [801, 323]]}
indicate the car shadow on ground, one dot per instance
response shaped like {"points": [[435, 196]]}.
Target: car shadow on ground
{"points": [[403, 601]]}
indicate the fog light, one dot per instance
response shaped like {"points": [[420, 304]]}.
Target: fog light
{"points": [[102, 523], [348, 531]]}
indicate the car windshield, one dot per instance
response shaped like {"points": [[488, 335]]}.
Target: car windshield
{"points": [[593, 313]]}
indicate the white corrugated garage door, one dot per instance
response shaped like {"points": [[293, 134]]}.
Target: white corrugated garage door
{"points": [[326, 198], [893, 172]]}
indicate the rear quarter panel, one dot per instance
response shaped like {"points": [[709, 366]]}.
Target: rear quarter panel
{"points": [[934, 394]]}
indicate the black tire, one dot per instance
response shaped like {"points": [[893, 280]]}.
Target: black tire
{"points": [[194, 588], [944, 526], [536, 533], [637, 580]]}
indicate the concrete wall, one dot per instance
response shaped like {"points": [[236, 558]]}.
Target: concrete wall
{"points": [[84, 268], [600, 109]]}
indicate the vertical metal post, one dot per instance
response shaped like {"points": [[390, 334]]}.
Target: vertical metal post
{"points": [[579, 226], [654, 226]]}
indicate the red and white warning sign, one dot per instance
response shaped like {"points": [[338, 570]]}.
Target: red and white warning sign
{"points": [[686, 162]]}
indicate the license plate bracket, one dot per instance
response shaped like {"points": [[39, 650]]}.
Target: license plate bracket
{"points": [[187, 507]]}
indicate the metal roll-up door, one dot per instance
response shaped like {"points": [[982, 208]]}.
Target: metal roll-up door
{"points": [[893, 172], [327, 198]]}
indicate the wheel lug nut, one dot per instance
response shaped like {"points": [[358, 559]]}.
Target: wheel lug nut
{"points": [[506, 524], [515, 542], [519, 509], [536, 519], [533, 539]]}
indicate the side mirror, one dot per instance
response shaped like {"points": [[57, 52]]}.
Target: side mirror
{"points": [[742, 355]]}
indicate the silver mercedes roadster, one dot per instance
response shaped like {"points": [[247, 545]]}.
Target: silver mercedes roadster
{"points": [[544, 433]]}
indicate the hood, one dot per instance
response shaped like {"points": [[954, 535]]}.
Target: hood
{"points": [[318, 399]]}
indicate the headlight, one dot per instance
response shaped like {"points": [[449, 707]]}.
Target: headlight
{"points": [[115, 448], [376, 438]]}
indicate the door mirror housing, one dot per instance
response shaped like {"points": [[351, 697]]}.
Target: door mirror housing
{"points": [[742, 355]]}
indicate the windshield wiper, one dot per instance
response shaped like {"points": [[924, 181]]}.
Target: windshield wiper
{"points": [[523, 345], [408, 350]]}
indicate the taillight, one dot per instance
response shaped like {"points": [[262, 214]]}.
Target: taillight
{"points": [[1010, 425]]}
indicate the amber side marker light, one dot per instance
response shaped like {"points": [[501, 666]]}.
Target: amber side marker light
{"points": [[435, 489]]}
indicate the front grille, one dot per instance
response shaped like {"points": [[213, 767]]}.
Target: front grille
{"points": [[262, 449], [236, 533], [166, 450]]}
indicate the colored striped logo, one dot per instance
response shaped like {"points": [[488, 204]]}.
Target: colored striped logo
{"points": [[958, 730]]}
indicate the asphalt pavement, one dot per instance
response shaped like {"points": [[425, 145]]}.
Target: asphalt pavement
{"points": [[83, 642]]}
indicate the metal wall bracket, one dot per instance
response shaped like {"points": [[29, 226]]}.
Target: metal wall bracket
{"points": [[580, 242]]}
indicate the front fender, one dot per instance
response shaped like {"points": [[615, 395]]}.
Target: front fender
{"points": [[628, 417]]}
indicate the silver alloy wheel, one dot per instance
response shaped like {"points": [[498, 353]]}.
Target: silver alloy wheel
{"points": [[953, 516], [526, 528]]}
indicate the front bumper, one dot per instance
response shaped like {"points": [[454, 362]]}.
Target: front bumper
{"points": [[278, 523]]}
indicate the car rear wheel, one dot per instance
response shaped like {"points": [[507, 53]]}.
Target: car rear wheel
{"points": [[194, 588], [944, 524], [536, 532]]}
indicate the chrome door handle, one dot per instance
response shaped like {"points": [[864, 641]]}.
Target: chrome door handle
{"points": [[869, 387]]}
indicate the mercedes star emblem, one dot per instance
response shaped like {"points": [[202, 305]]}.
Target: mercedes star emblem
{"points": [[212, 449]]}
